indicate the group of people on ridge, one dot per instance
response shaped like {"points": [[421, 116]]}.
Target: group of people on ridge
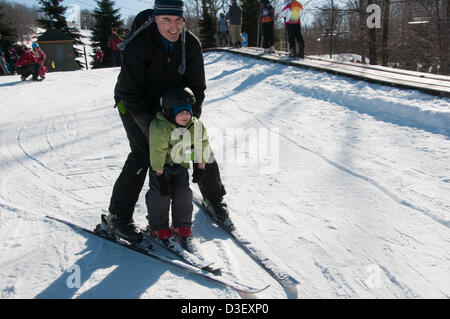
{"points": [[30, 62], [230, 25], [266, 13], [291, 14]]}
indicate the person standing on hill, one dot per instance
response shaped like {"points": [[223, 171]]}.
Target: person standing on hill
{"points": [[222, 29], [3, 66], [266, 14], [235, 17], [41, 57], [98, 59], [113, 41], [291, 14]]}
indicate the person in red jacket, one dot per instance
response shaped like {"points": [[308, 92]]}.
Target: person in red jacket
{"points": [[98, 62], [27, 64], [41, 57], [113, 40]]}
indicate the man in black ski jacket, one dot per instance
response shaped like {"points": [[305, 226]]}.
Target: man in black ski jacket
{"points": [[159, 55]]}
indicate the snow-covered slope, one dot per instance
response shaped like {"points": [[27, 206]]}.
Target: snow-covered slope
{"points": [[352, 196]]}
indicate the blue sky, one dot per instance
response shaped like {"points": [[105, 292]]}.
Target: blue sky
{"points": [[127, 7], [133, 7]]}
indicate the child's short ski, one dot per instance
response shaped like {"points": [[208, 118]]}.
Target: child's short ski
{"points": [[144, 249], [281, 276], [174, 246]]}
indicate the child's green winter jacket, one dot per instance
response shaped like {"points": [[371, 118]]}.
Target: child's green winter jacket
{"points": [[171, 144]]}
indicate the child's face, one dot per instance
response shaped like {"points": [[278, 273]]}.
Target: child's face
{"points": [[183, 118]]}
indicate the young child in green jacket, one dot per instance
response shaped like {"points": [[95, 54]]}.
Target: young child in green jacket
{"points": [[176, 138]]}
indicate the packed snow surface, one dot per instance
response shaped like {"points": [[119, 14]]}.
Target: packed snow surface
{"points": [[342, 183]]}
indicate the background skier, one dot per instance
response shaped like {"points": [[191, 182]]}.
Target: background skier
{"points": [[266, 13], [291, 14], [235, 16], [113, 41], [222, 29], [98, 59]]}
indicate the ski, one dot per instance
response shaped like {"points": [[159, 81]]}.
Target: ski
{"points": [[174, 246], [286, 280], [145, 250]]}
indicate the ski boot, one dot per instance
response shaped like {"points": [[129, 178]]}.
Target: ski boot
{"points": [[164, 237], [292, 53], [185, 238], [219, 210], [123, 227]]}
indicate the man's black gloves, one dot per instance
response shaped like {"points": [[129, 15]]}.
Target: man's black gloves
{"points": [[143, 121], [164, 188], [197, 111], [198, 174]]}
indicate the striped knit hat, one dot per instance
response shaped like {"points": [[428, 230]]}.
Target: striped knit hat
{"points": [[169, 7]]}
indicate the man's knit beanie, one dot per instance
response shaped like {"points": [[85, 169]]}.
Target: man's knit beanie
{"points": [[169, 7]]}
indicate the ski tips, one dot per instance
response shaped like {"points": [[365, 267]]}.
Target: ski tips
{"points": [[251, 291], [214, 271], [290, 282]]}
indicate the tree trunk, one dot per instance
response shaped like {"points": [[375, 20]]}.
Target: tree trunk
{"points": [[387, 7], [362, 29], [444, 45], [372, 42]]}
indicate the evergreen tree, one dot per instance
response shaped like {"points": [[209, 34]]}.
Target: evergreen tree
{"points": [[106, 17], [53, 15], [54, 19], [250, 20], [207, 26], [7, 32]]}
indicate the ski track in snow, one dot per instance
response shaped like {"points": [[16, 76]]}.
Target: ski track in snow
{"points": [[357, 207]]}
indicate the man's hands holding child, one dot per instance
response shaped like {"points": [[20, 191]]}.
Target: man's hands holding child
{"points": [[164, 188], [199, 172]]}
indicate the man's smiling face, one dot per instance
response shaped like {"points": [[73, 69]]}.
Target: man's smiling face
{"points": [[170, 26]]}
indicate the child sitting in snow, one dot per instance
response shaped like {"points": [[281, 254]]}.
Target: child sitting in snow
{"points": [[176, 138]]}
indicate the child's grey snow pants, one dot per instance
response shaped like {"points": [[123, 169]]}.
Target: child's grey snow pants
{"points": [[180, 197]]}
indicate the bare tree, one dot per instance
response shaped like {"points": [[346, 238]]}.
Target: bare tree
{"points": [[438, 11], [386, 18], [22, 18], [358, 16], [87, 19], [425, 30], [330, 19]]}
